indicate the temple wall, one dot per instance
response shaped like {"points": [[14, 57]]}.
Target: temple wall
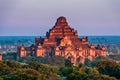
{"points": [[23, 53], [40, 52], [0, 57]]}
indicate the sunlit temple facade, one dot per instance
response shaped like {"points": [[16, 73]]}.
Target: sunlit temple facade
{"points": [[62, 40], [0, 57]]}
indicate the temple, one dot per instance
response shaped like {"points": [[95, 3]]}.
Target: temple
{"points": [[0, 57], [62, 40]]}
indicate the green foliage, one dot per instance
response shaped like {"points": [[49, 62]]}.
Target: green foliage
{"points": [[12, 64], [4, 69], [79, 65], [42, 77], [21, 76], [1, 78], [32, 69], [32, 72], [77, 75], [33, 59], [100, 77], [92, 71], [54, 61], [109, 67], [82, 72], [64, 71], [87, 62], [97, 60], [87, 73], [67, 69], [68, 63], [43, 68]]}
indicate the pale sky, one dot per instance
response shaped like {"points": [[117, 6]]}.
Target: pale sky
{"points": [[35, 17]]}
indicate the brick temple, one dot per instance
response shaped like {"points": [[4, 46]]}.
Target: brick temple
{"points": [[0, 57], [62, 40]]}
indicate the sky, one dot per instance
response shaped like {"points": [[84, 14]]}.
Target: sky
{"points": [[36, 17]]}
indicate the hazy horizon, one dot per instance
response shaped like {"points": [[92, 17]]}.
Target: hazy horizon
{"points": [[36, 17], [45, 35]]}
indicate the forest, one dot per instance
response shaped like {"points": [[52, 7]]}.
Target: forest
{"points": [[58, 68]]}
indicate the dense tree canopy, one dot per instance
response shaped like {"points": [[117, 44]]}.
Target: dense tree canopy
{"points": [[58, 68]]}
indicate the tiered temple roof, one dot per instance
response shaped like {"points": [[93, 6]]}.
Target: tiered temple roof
{"points": [[59, 31]]}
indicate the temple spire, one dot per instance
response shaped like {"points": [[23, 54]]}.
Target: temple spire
{"points": [[61, 21]]}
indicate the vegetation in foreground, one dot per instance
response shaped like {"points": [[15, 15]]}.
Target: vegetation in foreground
{"points": [[58, 68]]}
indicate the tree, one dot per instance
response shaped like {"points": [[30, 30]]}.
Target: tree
{"points": [[91, 71], [64, 71], [87, 62], [1, 78], [97, 60], [68, 63], [109, 67], [12, 64], [4, 69], [78, 75], [100, 77]]}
